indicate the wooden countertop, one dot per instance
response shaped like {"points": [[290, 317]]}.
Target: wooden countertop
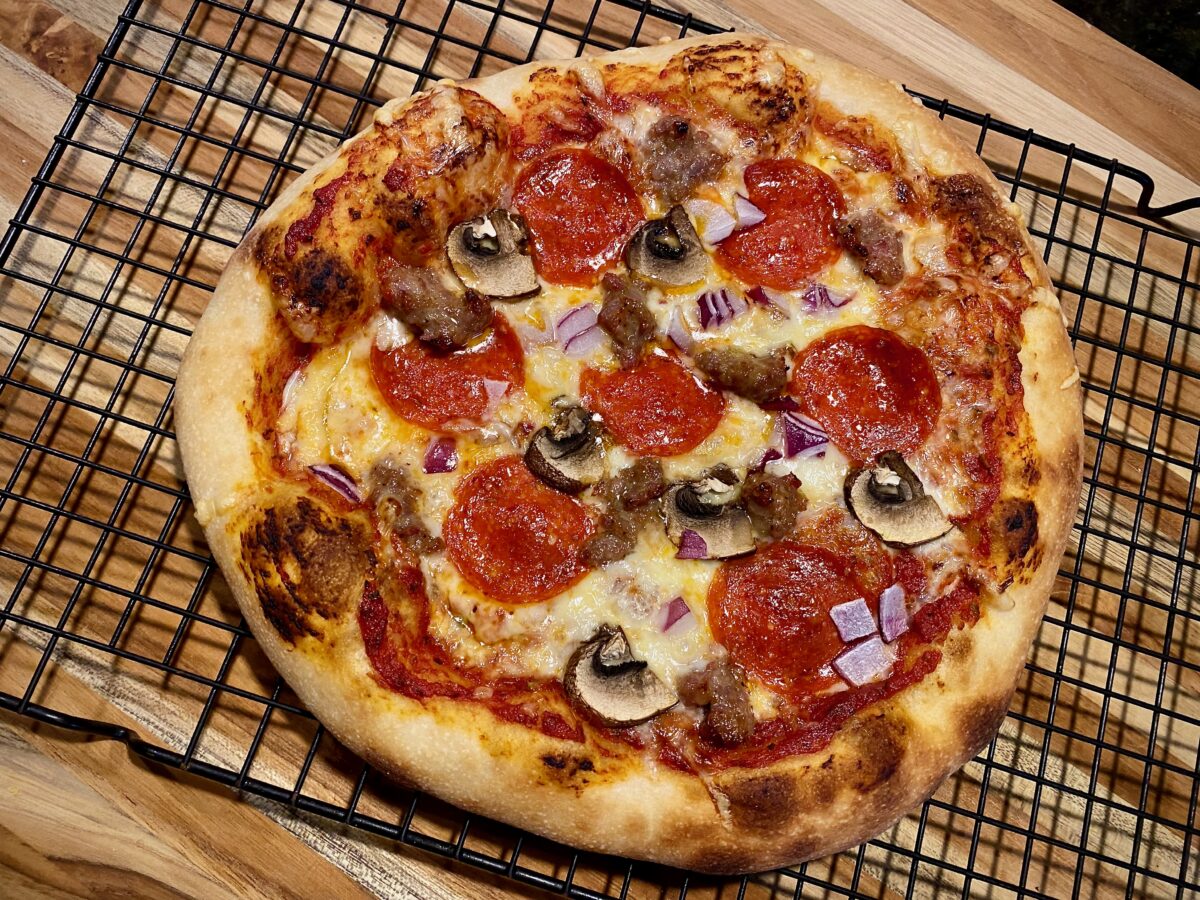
{"points": [[80, 817]]}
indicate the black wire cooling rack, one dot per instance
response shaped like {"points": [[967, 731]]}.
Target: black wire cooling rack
{"points": [[192, 120]]}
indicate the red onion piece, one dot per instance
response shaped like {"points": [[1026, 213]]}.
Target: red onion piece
{"points": [[770, 456], [817, 297], [893, 613], [534, 337], [441, 456], [584, 342], [802, 436], [691, 546], [574, 322], [718, 307], [853, 619], [716, 223], [676, 610], [770, 299], [678, 332], [747, 213], [334, 477], [865, 662], [496, 390]]}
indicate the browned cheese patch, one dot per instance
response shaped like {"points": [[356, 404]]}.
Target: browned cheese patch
{"points": [[754, 88], [306, 565]]}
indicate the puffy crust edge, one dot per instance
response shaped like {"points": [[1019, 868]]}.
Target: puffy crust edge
{"points": [[890, 758]]}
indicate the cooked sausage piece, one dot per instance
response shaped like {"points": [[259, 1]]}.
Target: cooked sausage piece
{"points": [[626, 318], [396, 500], [757, 378], [630, 499], [876, 243], [443, 319], [773, 502], [721, 687], [677, 158]]}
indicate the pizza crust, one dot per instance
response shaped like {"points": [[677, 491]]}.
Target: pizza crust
{"points": [[888, 759]]}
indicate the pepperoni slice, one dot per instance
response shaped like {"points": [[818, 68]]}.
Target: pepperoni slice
{"points": [[871, 390], [655, 407], [771, 612], [512, 537], [434, 389], [580, 211], [797, 238]]}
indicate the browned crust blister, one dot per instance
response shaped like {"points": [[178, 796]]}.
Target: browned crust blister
{"points": [[887, 759]]}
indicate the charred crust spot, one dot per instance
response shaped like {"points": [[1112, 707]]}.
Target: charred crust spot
{"points": [[306, 565], [1016, 525], [763, 802], [877, 749], [981, 722]]}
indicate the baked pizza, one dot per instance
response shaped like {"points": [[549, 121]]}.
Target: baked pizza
{"points": [[669, 452]]}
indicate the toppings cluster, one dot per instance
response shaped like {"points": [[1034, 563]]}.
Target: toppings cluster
{"points": [[666, 245]]}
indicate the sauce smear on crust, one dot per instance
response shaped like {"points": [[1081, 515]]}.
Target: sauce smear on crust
{"points": [[514, 538], [580, 211], [435, 390], [797, 238], [871, 390], [656, 407]]}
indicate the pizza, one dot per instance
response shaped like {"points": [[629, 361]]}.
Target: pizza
{"points": [[669, 452]]}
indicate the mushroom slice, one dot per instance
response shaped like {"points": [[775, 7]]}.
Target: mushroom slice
{"points": [[490, 255], [605, 681], [567, 454], [704, 519], [889, 499], [667, 251]]}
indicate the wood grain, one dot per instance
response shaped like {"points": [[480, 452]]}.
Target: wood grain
{"points": [[82, 817]]}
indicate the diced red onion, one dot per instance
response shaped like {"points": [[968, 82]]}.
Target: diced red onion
{"points": [[676, 611], [717, 223], [817, 297], [718, 307], [770, 456], [496, 389], [865, 662], [532, 336], [441, 455], [574, 322], [691, 546], [290, 387], [334, 477], [893, 613], [585, 342], [770, 299], [802, 436], [677, 331], [747, 213], [853, 619]]}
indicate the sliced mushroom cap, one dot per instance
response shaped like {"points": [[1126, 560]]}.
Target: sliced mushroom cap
{"points": [[889, 499], [704, 519], [490, 255], [604, 681], [668, 251], [567, 454]]}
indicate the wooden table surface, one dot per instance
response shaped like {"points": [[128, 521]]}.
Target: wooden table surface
{"points": [[82, 817]]}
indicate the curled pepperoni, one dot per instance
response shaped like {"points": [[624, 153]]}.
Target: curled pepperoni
{"points": [[434, 389], [512, 537], [580, 211], [870, 389], [797, 238], [771, 612], [655, 407]]}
